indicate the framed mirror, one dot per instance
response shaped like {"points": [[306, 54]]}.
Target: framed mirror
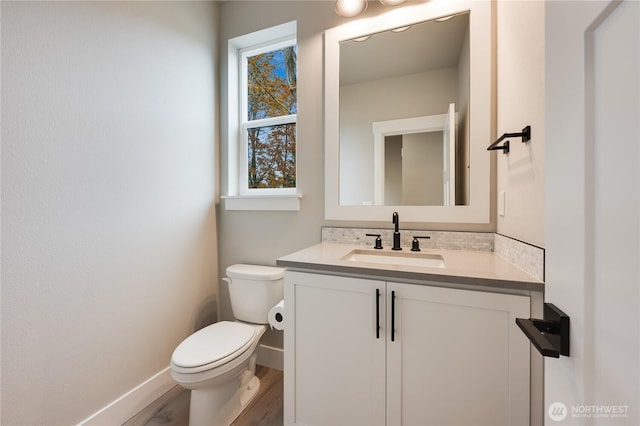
{"points": [[408, 114]]}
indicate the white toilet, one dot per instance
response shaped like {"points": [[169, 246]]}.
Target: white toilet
{"points": [[218, 362]]}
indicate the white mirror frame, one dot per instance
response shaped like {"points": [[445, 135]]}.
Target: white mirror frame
{"points": [[481, 125]]}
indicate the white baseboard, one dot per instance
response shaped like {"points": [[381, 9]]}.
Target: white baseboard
{"points": [[271, 357], [138, 398], [132, 402]]}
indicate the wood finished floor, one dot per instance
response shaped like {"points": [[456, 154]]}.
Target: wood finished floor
{"points": [[266, 409]]}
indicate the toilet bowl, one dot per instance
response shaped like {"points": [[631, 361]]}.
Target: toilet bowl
{"points": [[217, 363]]}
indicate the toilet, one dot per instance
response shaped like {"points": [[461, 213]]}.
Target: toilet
{"points": [[218, 362]]}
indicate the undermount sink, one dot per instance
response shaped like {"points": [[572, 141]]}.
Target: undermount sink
{"points": [[399, 258]]}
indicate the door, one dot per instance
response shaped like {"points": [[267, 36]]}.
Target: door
{"points": [[592, 209], [337, 361], [449, 156], [456, 357]]}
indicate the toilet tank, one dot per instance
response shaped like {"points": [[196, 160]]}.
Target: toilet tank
{"points": [[254, 290]]}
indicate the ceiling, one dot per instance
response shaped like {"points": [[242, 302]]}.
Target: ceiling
{"points": [[422, 47]]}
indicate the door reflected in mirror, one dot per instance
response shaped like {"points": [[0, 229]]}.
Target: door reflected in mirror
{"points": [[414, 170], [387, 80]]}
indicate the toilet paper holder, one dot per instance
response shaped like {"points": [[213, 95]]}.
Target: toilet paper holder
{"points": [[275, 317]]}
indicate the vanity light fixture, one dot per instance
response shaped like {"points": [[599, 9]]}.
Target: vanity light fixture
{"points": [[351, 8]]}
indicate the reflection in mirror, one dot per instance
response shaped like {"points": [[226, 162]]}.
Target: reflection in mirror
{"points": [[411, 158], [414, 160], [421, 72]]}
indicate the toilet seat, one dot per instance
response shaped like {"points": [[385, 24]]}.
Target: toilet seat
{"points": [[214, 345]]}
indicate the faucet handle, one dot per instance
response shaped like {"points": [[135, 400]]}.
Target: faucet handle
{"points": [[415, 244], [378, 240]]}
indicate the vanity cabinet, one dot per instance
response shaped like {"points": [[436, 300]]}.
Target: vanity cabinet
{"points": [[369, 352]]}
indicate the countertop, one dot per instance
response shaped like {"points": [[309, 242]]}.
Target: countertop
{"points": [[473, 268]]}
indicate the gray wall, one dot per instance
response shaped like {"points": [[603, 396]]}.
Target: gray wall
{"points": [[425, 93], [261, 237], [521, 75], [108, 189], [422, 169]]}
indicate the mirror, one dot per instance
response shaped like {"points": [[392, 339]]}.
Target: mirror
{"points": [[430, 74], [414, 161], [397, 88]]}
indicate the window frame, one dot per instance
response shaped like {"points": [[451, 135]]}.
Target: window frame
{"points": [[240, 196]]}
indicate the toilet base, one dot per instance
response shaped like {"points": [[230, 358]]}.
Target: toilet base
{"points": [[221, 405]]}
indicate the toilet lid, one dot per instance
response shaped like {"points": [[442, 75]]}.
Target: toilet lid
{"points": [[255, 272], [213, 343]]}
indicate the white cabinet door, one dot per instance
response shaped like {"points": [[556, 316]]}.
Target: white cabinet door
{"points": [[456, 358], [334, 363]]}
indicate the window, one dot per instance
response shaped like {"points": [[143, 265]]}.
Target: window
{"points": [[263, 120]]}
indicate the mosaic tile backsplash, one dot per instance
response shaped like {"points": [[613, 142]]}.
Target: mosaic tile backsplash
{"points": [[525, 256]]}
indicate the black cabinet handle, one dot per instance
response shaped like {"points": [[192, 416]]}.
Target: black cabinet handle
{"points": [[377, 313], [393, 316]]}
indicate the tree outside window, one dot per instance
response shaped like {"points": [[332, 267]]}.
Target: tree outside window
{"points": [[271, 114]]}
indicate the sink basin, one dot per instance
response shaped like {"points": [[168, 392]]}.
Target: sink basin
{"points": [[399, 258]]}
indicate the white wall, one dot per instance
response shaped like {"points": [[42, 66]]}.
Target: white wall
{"points": [[520, 102], [108, 186]]}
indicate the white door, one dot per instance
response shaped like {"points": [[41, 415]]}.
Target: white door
{"points": [[449, 156], [334, 360], [592, 209], [456, 357]]}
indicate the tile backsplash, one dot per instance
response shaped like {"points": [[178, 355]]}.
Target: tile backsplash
{"points": [[525, 256], [476, 241]]}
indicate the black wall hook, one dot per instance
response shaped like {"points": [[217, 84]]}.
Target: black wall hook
{"points": [[525, 134], [549, 335]]}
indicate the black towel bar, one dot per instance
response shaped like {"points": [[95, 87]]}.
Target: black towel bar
{"points": [[525, 134]]}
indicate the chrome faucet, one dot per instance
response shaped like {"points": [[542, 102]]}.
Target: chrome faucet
{"points": [[396, 233]]}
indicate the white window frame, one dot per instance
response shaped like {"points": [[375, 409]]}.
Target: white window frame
{"points": [[240, 197]]}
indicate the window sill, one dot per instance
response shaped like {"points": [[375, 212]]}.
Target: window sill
{"points": [[262, 202]]}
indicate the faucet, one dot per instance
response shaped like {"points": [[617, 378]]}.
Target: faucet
{"points": [[396, 234]]}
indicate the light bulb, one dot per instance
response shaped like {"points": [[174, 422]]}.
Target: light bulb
{"points": [[401, 29], [350, 8], [444, 18]]}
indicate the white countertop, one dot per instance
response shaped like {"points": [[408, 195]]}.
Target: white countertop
{"points": [[477, 268]]}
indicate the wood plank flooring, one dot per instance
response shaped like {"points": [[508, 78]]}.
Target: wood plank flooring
{"points": [[172, 409]]}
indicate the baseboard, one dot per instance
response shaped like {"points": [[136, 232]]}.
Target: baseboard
{"points": [[138, 398], [271, 357], [132, 402]]}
